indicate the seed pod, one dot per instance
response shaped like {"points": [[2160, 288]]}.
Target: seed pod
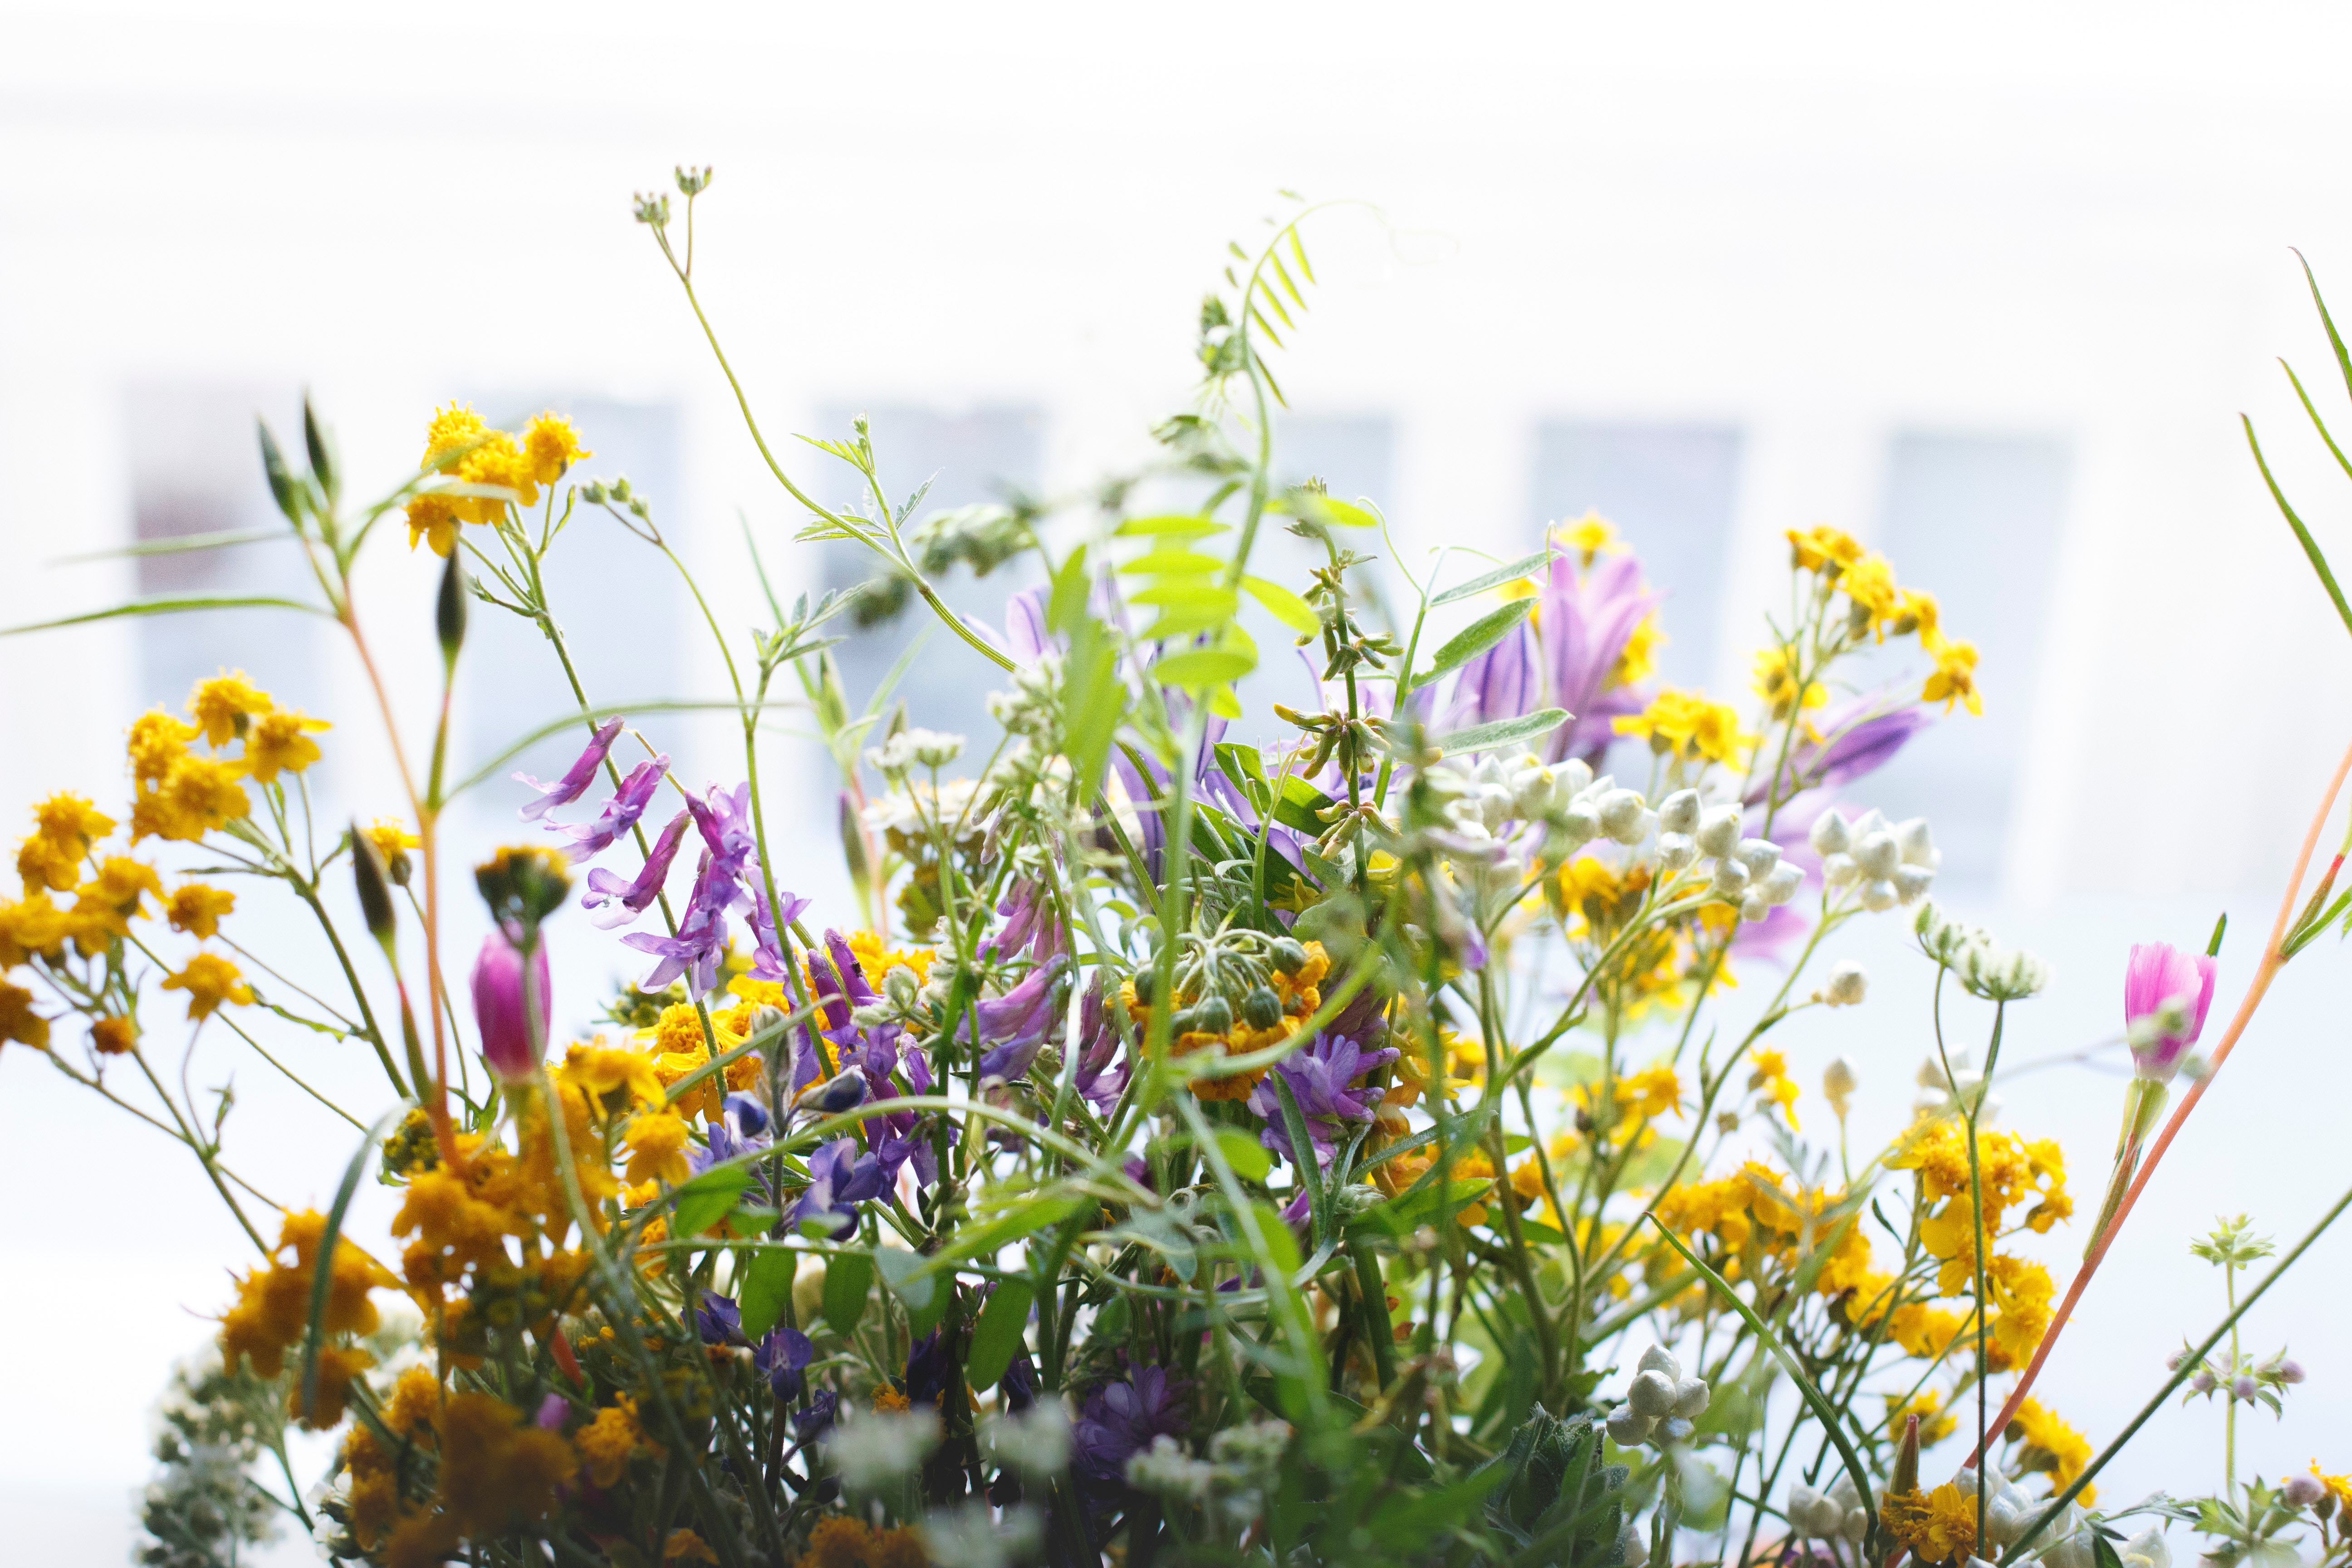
{"points": [[1211, 1015], [1261, 1009]]}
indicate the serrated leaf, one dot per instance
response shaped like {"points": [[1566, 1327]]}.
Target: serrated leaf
{"points": [[1509, 573], [848, 1282], [1284, 605], [764, 1288], [996, 1337], [1475, 639], [1196, 669], [1501, 732], [703, 1202]]}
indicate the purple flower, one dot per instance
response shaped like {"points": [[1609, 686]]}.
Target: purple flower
{"points": [[930, 1368], [1586, 621], [553, 1412], [1025, 637], [784, 1355], [1101, 1078], [1504, 683], [810, 1424], [2166, 993], [718, 1320], [510, 1006], [701, 940], [840, 1178], [1324, 1079], [724, 820], [1859, 739], [1016, 1024], [1120, 1419], [620, 813], [768, 953], [575, 779], [631, 899]]}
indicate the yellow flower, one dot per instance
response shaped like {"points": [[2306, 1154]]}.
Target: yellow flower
{"points": [[685, 1546], [553, 445], [110, 900], [1653, 1092], [2338, 1487], [32, 925], [210, 980], [657, 1144], [157, 740], [197, 910], [1870, 584], [392, 841], [1955, 679], [63, 828], [1823, 549], [1919, 613], [457, 443], [607, 1443], [2050, 1444], [600, 1072], [1685, 724], [1776, 682], [113, 1037], [196, 795], [1771, 1077], [1937, 1422], [1938, 1527], [224, 705], [278, 740], [19, 1022], [1640, 659], [1590, 535]]}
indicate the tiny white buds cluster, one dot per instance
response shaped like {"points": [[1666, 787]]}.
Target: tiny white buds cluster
{"points": [[1660, 1405], [1848, 983], [1036, 1442], [1890, 864], [909, 748], [1963, 1086], [1679, 812], [1986, 969], [1839, 1081], [1718, 830], [880, 1446], [1834, 1515], [1625, 816]]}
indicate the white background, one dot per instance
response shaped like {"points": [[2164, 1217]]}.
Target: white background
{"points": [[1820, 224]]}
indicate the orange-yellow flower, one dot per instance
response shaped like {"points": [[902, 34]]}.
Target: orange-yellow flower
{"points": [[210, 980]]}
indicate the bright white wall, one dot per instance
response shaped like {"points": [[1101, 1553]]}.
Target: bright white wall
{"points": [[1822, 225]]}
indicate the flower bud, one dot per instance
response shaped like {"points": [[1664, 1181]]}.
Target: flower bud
{"points": [[1758, 855], [1911, 883], [1675, 850], [1848, 983], [1679, 812], [2243, 1386], [1211, 1015], [1837, 871], [1659, 1359], [1531, 793], [1652, 1394], [2172, 1362], [2287, 1371], [1917, 845], [1803, 1505], [1730, 876], [1754, 907], [2303, 1491], [1830, 836], [1838, 1084], [1620, 815], [901, 988], [1783, 883], [1718, 830], [1879, 897], [375, 896], [1690, 1398], [1878, 855], [450, 609], [1674, 1430], [1261, 1009], [2201, 1381], [1571, 778], [511, 1006], [767, 1018], [1627, 1427], [1579, 825]]}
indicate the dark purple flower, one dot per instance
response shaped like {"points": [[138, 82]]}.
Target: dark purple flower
{"points": [[1101, 1077], [809, 1425], [724, 819], [1323, 1078], [575, 780], [509, 1012], [839, 980], [1019, 1384], [931, 1369], [1029, 924], [628, 899], [840, 1178], [718, 1320], [701, 941], [784, 1355], [620, 813], [1120, 1419]]}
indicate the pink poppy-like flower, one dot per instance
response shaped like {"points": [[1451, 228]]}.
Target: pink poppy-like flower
{"points": [[2166, 993]]}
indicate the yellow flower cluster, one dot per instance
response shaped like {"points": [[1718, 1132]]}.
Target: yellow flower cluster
{"points": [[1595, 902], [1937, 1527], [2049, 1444], [843, 1542], [1688, 727], [458, 443], [1299, 991], [1777, 683], [272, 1312], [497, 1471], [1882, 607], [1755, 1219], [1771, 1078]]}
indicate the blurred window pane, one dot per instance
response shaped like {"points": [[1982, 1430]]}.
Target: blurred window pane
{"points": [[196, 468], [969, 458], [1975, 520], [1670, 491]]}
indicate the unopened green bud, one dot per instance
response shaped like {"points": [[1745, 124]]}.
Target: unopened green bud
{"points": [[375, 894], [620, 487], [693, 182], [1211, 1015], [450, 610], [322, 452], [1261, 1009], [282, 488]]}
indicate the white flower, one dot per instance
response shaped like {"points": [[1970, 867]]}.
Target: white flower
{"points": [[1036, 1442], [881, 1446], [1718, 830], [966, 1537], [1848, 983]]}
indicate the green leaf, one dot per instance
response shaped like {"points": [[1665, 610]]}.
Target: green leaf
{"points": [[986, 1240], [1493, 578], [2303, 535], [701, 1203], [1402, 1216], [1501, 732], [1322, 509], [1182, 524], [1298, 806], [1284, 605], [181, 545], [323, 1272], [996, 1337], [763, 1287], [1094, 700], [1067, 605], [1250, 1159], [1280, 1244], [848, 1282], [905, 1273], [1475, 638], [170, 605], [1173, 563], [1197, 669], [1184, 594]]}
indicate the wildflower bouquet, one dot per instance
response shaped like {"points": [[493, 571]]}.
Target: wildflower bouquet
{"points": [[1192, 1144]]}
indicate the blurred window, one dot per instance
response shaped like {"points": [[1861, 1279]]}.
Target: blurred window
{"points": [[1670, 491], [1975, 520], [969, 458]]}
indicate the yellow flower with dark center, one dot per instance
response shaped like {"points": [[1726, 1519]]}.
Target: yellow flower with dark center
{"points": [[157, 740], [1685, 724], [1919, 613], [19, 1022], [279, 740], [113, 1037], [64, 826], [553, 446], [392, 841], [1823, 549], [224, 705], [1590, 535], [210, 980], [1776, 682], [1955, 679], [196, 909], [1870, 584], [1937, 1527]]}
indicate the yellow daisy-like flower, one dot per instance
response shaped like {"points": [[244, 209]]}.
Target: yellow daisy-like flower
{"points": [[1686, 725], [458, 443], [657, 1144], [1639, 661], [196, 909], [1955, 679], [19, 1022], [1919, 613], [1776, 682], [113, 1037], [110, 901], [64, 826], [600, 1072], [224, 705], [210, 980], [278, 740], [1939, 1526], [1870, 584], [2051, 1445], [1590, 535], [195, 797], [552, 447], [157, 740], [2338, 1487], [1823, 549], [1771, 1078]]}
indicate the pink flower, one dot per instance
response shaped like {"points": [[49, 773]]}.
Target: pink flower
{"points": [[513, 1022], [2166, 993]]}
